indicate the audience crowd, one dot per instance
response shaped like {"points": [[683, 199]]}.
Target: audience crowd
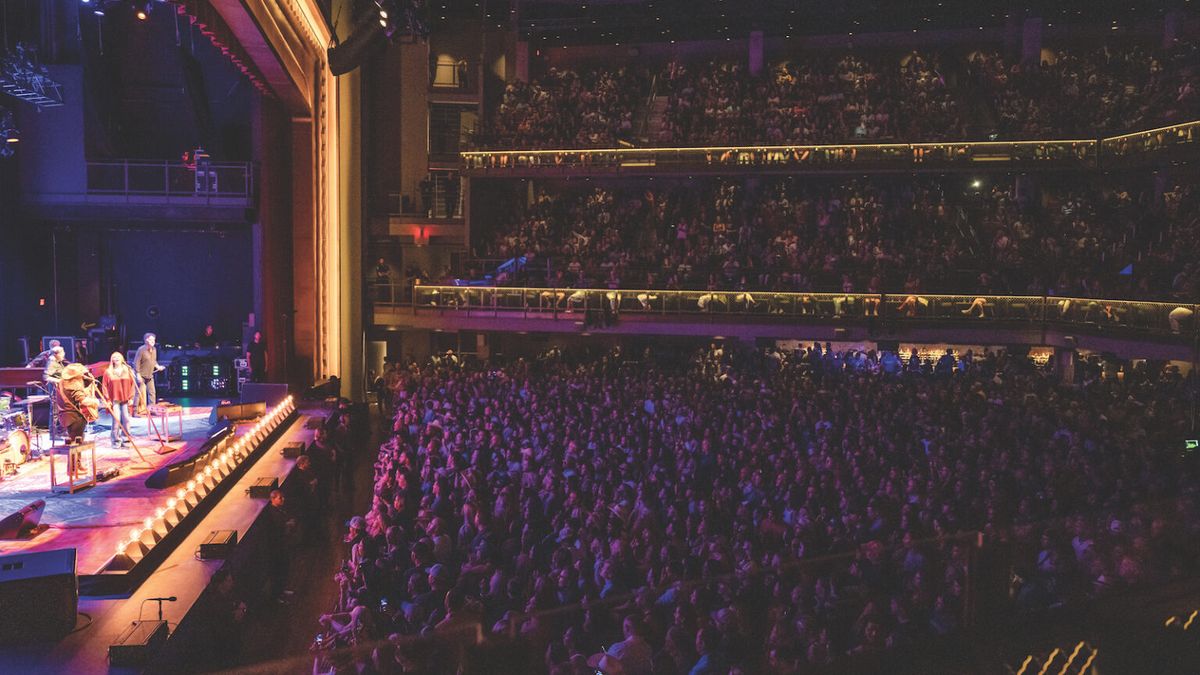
{"points": [[1084, 94], [566, 108], [852, 96], [738, 511], [1069, 238]]}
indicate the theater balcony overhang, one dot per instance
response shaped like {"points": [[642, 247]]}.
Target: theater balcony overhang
{"points": [[1131, 329], [1165, 144]]}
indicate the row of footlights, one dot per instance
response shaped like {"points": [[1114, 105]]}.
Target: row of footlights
{"points": [[155, 527]]}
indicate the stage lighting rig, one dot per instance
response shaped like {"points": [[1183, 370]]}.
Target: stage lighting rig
{"points": [[24, 78], [395, 19]]}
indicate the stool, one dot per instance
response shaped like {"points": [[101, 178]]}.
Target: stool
{"points": [[159, 420]]}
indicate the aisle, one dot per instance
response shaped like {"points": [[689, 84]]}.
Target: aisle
{"points": [[285, 632]]}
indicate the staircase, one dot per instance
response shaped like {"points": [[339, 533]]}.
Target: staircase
{"points": [[655, 115], [649, 118]]}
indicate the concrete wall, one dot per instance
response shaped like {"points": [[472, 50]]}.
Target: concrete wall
{"points": [[50, 158]]}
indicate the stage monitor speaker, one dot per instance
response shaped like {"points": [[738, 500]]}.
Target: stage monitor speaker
{"points": [[271, 394], [218, 545], [22, 522], [40, 595], [138, 644], [68, 344], [236, 412]]}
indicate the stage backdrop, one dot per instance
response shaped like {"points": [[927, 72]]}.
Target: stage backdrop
{"points": [[193, 278]]}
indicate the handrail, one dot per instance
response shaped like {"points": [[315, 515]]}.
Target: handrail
{"points": [[171, 178], [1159, 318], [1079, 153]]}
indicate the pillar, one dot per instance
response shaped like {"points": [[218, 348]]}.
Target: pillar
{"points": [[1064, 364], [1171, 25], [755, 57], [1031, 41], [1026, 189], [522, 59]]}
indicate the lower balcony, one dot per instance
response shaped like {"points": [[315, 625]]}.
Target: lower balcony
{"points": [[1130, 328]]}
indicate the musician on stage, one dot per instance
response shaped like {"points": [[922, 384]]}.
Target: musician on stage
{"points": [[145, 362], [42, 359], [55, 364], [118, 386], [75, 401]]}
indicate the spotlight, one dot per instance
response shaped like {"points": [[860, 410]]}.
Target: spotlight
{"points": [[142, 15], [86, 2], [383, 22], [976, 183], [383, 14]]}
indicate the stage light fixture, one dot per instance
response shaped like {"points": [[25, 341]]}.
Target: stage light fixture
{"points": [[142, 15]]}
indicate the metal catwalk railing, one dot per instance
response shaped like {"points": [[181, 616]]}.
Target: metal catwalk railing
{"points": [[171, 179], [1161, 318]]}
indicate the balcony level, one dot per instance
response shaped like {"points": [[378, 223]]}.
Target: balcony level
{"points": [[1129, 329], [1153, 146]]}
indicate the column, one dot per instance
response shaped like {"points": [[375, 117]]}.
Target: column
{"points": [[522, 60], [1171, 25], [1064, 364], [756, 53], [1031, 41]]}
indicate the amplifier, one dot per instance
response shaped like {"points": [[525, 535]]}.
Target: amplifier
{"points": [[138, 643], [292, 450], [262, 487], [218, 545]]}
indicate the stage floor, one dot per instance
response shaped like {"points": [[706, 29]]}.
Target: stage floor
{"points": [[103, 619], [96, 519]]}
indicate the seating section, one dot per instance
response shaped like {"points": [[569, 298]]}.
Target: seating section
{"points": [[760, 510], [851, 96], [1077, 237]]}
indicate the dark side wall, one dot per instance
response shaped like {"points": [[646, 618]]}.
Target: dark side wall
{"points": [[192, 277]]}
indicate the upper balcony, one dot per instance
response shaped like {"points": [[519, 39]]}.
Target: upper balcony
{"points": [[1155, 145]]}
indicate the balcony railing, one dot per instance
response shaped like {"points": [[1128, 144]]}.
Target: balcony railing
{"points": [[172, 180], [1059, 154], [1152, 140], [1158, 318]]}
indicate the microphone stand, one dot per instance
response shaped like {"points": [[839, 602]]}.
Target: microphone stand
{"points": [[124, 427]]}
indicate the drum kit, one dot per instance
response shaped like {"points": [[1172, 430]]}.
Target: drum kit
{"points": [[17, 439]]}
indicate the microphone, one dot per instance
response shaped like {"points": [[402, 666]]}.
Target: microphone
{"points": [[170, 599]]}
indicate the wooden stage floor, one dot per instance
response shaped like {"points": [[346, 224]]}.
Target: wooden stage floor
{"points": [[96, 519]]}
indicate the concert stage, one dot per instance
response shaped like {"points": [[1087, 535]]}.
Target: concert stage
{"points": [[95, 519], [99, 518]]}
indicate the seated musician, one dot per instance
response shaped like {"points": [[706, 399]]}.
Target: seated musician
{"points": [[75, 401], [42, 359]]}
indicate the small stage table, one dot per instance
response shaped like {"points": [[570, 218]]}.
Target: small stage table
{"points": [[163, 413], [77, 477]]}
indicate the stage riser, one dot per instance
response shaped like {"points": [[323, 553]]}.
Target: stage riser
{"points": [[119, 583]]}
